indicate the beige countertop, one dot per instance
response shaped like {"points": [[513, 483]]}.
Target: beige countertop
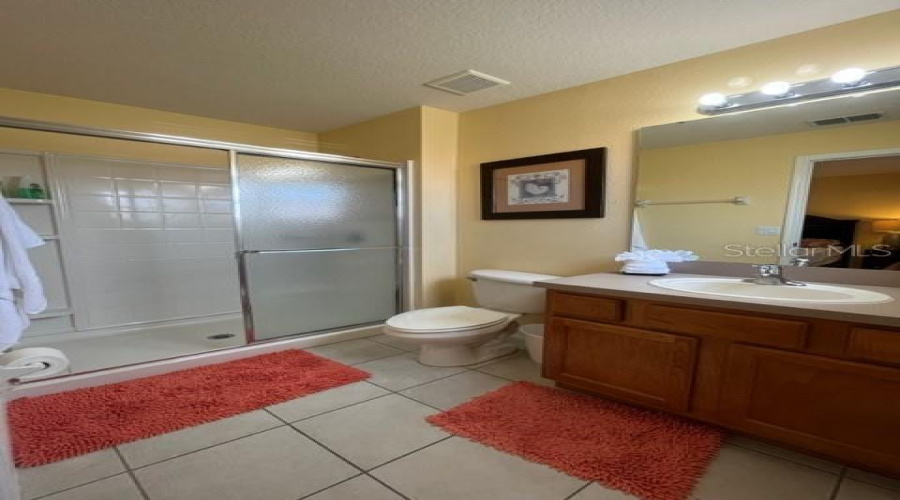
{"points": [[638, 287]]}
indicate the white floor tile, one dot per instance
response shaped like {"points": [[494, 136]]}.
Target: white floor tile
{"points": [[519, 367], [353, 352], [279, 464], [876, 479], [358, 488], [371, 433], [328, 400], [394, 342], [741, 474], [402, 372], [119, 487], [165, 446], [597, 492], [451, 391], [58, 476], [855, 490], [455, 469], [793, 456]]}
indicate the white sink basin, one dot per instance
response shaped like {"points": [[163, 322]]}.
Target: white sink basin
{"points": [[737, 287]]}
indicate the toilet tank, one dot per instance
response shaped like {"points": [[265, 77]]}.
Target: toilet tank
{"points": [[509, 291]]}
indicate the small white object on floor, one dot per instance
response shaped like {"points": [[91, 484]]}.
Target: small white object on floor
{"points": [[31, 363], [21, 292], [652, 262]]}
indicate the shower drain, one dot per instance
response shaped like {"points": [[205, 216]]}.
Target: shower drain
{"points": [[221, 336]]}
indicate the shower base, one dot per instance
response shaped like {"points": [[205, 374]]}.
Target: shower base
{"points": [[98, 352]]}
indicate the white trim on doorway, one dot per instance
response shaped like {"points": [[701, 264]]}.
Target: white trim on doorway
{"points": [[799, 192]]}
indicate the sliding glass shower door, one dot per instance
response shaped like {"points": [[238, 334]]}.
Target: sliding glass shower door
{"points": [[319, 244]]}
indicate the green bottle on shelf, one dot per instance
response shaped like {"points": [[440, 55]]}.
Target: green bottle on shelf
{"points": [[33, 191], [36, 192]]}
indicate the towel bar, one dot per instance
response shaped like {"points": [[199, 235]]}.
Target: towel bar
{"points": [[737, 200]]}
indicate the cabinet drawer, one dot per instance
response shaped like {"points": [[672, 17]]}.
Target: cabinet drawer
{"points": [[737, 327], [880, 346], [586, 307], [649, 368]]}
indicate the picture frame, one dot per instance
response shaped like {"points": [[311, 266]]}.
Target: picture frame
{"points": [[567, 185]]}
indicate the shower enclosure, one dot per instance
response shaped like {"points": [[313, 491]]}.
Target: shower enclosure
{"points": [[155, 256], [319, 244]]}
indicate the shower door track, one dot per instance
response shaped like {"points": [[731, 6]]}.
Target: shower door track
{"points": [[407, 234]]}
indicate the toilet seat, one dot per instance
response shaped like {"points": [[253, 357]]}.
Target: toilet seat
{"points": [[446, 319]]}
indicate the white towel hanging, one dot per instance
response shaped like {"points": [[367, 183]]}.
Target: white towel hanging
{"points": [[21, 292]]}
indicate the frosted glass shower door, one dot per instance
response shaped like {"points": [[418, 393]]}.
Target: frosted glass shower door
{"points": [[319, 244]]}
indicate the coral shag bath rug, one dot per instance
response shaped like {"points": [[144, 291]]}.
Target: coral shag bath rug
{"points": [[647, 454], [58, 426]]}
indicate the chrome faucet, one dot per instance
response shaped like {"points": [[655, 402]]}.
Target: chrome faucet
{"points": [[771, 274]]}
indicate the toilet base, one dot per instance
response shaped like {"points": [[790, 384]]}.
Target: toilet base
{"points": [[462, 355]]}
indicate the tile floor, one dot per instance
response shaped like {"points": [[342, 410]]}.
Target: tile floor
{"points": [[369, 441]]}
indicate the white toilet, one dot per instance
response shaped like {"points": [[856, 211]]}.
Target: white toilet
{"points": [[461, 335]]}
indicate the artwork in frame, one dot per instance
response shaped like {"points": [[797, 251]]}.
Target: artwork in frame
{"points": [[554, 186]]}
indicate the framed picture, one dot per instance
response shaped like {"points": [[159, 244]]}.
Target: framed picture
{"points": [[555, 186]]}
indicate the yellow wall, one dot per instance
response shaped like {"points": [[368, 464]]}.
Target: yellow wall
{"points": [[437, 197], [427, 136], [44, 107], [863, 197], [607, 113], [760, 168], [393, 137], [875, 196]]}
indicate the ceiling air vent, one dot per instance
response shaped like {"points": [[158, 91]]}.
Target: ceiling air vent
{"points": [[841, 120], [466, 82], [864, 118]]}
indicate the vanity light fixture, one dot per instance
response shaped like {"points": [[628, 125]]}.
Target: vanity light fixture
{"points": [[850, 77], [714, 100], [845, 81], [777, 89]]}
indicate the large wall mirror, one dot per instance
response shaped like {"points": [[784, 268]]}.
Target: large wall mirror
{"points": [[817, 181]]}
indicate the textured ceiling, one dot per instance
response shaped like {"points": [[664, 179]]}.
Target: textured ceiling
{"points": [[314, 65]]}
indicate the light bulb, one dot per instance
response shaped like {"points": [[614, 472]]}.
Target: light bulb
{"points": [[776, 89], [714, 99], [849, 76]]}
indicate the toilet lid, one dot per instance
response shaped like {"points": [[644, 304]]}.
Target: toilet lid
{"points": [[442, 319]]}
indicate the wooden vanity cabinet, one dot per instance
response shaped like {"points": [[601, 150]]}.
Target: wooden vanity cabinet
{"points": [[826, 387], [825, 405], [653, 368]]}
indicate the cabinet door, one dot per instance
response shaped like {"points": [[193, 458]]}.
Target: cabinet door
{"points": [[646, 367], [846, 409]]}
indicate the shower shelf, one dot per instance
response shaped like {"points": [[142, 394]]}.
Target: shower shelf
{"points": [[28, 201]]}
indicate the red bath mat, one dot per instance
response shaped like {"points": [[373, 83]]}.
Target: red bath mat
{"points": [[57, 426], [647, 454]]}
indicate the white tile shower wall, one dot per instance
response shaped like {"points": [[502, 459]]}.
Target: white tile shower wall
{"points": [[150, 242]]}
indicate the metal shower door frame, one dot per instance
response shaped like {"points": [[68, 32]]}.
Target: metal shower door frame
{"points": [[407, 234], [404, 237]]}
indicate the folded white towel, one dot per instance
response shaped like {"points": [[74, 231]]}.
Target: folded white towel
{"points": [[21, 292], [652, 261]]}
